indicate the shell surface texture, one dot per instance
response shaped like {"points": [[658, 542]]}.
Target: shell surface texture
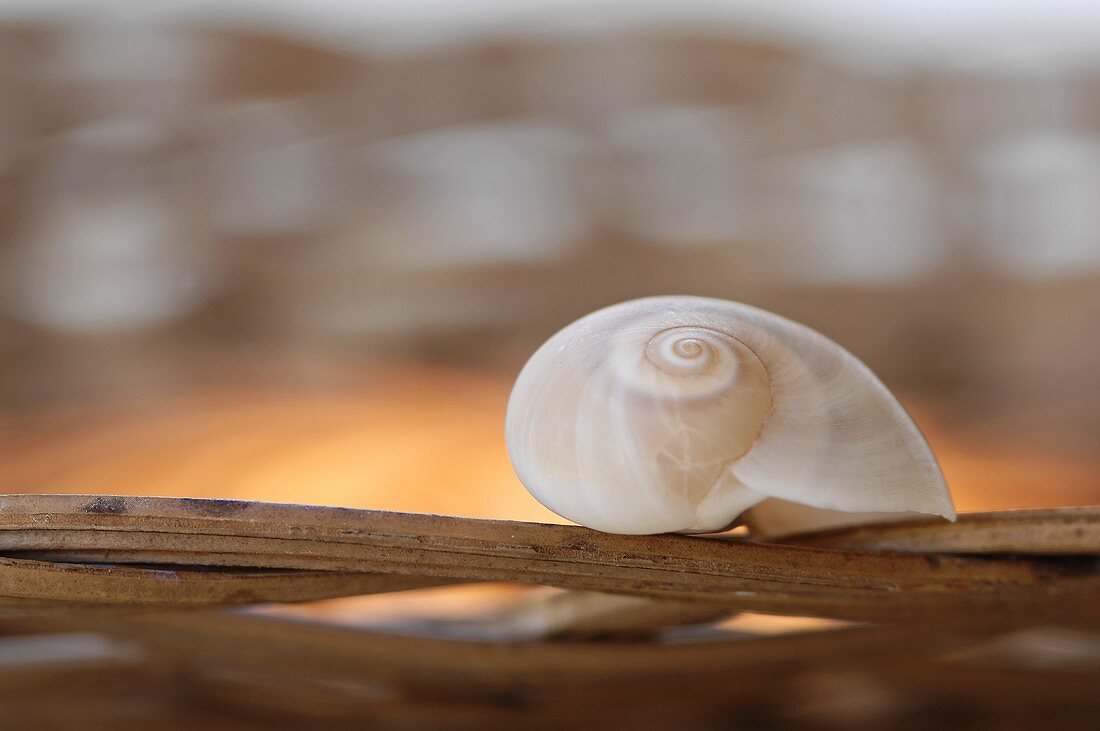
{"points": [[690, 414]]}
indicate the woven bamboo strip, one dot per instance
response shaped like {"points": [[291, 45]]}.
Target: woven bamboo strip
{"points": [[731, 573], [1065, 531], [178, 587]]}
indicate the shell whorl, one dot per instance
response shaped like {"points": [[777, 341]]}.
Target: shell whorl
{"points": [[685, 351], [684, 361]]}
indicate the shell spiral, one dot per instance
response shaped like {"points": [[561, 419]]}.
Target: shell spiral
{"points": [[678, 362], [685, 413], [684, 351]]}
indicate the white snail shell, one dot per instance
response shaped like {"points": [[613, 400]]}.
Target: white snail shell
{"points": [[688, 414]]}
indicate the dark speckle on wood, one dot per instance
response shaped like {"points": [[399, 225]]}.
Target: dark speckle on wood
{"points": [[214, 507], [107, 505]]}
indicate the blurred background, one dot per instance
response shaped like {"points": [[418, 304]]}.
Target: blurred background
{"points": [[298, 251]]}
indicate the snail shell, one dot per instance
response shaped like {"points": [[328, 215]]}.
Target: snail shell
{"points": [[687, 414]]}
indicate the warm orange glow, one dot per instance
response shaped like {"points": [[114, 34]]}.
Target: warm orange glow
{"points": [[988, 471], [412, 438], [415, 439]]}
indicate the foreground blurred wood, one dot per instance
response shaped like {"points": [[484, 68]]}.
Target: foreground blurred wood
{"points": [[963, 615], [244, 669]]}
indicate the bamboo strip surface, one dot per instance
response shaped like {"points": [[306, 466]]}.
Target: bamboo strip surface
{"points": [[333, 548]]}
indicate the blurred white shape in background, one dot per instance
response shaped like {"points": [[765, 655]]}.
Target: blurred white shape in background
{"points": [[115, 49], [1040, 204], [857, 213], [106, 65], [103, 265], [105, 247], [495, 193], [680, 175], [438, 212]]}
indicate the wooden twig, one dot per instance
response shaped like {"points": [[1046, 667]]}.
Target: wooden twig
{"points": [[178, 587], [1066, 531], [736, 574]]}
